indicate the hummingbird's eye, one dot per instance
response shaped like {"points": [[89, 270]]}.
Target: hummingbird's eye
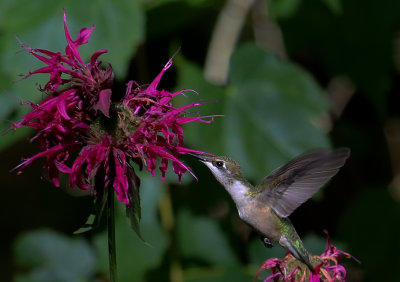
{"points": [[219, 164]]}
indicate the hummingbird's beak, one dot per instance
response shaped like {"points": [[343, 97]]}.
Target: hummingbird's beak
{"points": [[199, 157]]}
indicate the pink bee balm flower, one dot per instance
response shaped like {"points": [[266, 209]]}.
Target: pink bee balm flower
{"points": [[83, 133], [327, 267]]}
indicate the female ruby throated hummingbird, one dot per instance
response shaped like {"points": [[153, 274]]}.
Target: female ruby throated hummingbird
{"points": [[266, 207]]}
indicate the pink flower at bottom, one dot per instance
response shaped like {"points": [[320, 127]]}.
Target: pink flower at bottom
{"points": [[327, 267]]}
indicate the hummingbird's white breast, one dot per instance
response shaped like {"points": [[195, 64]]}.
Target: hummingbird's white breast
{"points": [[238, 191], [239, 194]]}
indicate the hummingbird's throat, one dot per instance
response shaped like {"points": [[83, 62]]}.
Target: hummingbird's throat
{"points": [[238, 190]]}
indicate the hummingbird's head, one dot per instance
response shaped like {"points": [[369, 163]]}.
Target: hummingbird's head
{"points": [[226, 170]]}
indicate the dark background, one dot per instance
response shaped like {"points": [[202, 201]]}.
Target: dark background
{"points": [[303, 74]]}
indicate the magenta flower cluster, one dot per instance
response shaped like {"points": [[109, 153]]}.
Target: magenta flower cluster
{"points": [[327, 267], [82, 132]]}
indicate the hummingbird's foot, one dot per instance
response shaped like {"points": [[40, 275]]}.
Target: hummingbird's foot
{"points": [[267, 242]]}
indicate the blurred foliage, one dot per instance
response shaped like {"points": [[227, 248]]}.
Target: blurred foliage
{"points": [[273, 109], [53, 257]]}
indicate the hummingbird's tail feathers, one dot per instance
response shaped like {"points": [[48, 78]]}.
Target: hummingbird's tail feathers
{"points": [[298, 250]]}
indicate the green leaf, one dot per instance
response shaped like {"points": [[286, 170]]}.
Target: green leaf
{"points": [[133, 211], [281, 9], [51, 256], [120, 28], [94, 218], [271, 111], [201, 238]]}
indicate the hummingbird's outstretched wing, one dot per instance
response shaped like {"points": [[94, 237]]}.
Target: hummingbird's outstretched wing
{"points": [[292, 184]]}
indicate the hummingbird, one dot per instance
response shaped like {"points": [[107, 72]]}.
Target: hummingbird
{"points": [[267, 206]]}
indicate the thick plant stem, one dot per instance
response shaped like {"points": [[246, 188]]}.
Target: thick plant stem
{"points": [[112, 255]]}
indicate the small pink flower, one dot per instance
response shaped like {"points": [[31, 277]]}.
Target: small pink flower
{"points": [[83, 133], [327, 267]]}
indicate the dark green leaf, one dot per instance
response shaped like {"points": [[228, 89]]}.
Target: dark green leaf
{"points": [[271, 112], [281, 9], [374, 206], [201, 238], [133, 211], [94, 219], [119, 28], [51, 256]]}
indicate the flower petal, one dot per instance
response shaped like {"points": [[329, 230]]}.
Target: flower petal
{"points": [[104, 102], [83, 37], [120, 180]]}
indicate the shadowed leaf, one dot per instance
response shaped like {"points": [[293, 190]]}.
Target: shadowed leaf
{"points": [[133, 211]]}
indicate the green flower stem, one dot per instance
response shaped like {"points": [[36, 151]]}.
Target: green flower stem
{"points": [[112, 255]]}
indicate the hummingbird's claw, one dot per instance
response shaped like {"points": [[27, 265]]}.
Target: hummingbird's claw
{"points": [[267, 242]]}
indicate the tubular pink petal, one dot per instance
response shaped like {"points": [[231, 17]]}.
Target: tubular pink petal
{"points": [[72, 48], [152, 88], [96, 55], [83, 36], [76, 175], [53, 174], [61, 106], [272, 277], [191, 119], [164, 167], [63, 167], [104, 102], [50, 151], [121, 185], [183, 150]]}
